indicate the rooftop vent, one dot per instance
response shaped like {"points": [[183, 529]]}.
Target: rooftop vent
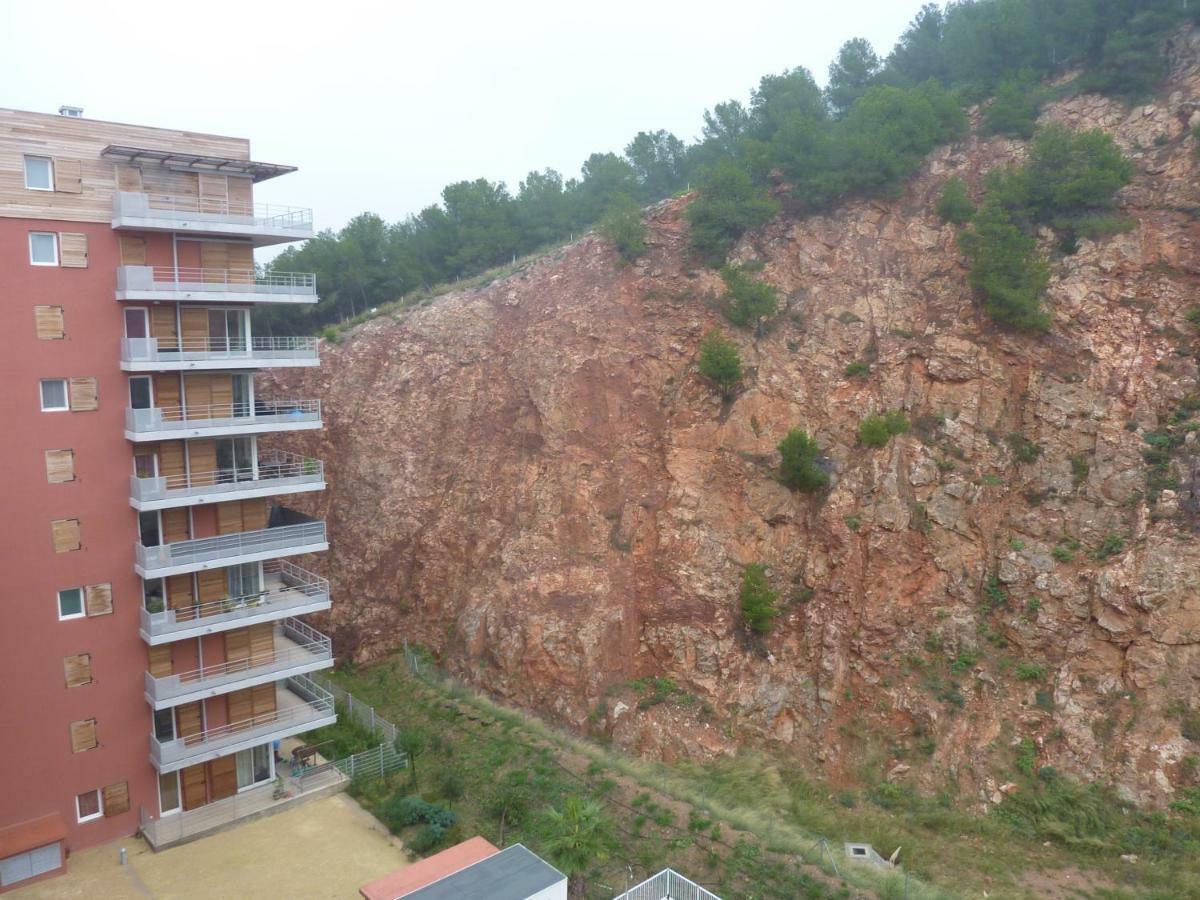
{"points": [[72, 112]]}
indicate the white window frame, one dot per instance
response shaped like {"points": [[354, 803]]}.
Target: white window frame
{"points": [[66, 407], [99, 814], [54, 239], [49, 167], [178, 794], [82, 605]]}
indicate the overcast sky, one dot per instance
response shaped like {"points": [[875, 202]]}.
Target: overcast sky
{"points": [[382, 104]]}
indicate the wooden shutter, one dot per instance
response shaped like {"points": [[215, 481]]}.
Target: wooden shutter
{"points": [[241, 264], [78, 669], [98, 599], [195, 786], [68, 176], [202, 462], [170, 458], [194, 324], [116, 799], [214, 259], [241, 706], [133, 253], [229, 517], [48, 323], [129, 178], [60, 466], [262, 643], [166, 396], [241, 196], [254, 514], [237, 649], [175, 525], [160, 661], [212, 586], [73, 249], [221, 386], [187, 721], [83, 735], [214, 193], [65, 533], [180, 597], [222, 776], [163, 326], [197, 393], [264, 700], [83, 394]]}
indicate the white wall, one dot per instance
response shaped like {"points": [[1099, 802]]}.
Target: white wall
{"points": [[557, 891]]}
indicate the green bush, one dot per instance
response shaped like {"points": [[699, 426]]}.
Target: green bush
{"points": [[729, 205], [1006, 268], [331, 334], [955, 205], [401, 810], [720, 361], [746, 299], [876, 431], [1110, 546], [757, 600], [1030, 672], [1013, 111], [798, 467], [857, 369], [622, 225]]}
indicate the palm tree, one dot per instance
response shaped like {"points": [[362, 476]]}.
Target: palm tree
{"points": [[577, 835]]}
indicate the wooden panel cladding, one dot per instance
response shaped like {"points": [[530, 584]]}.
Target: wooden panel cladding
{"points": [[165, 328], [83, 735], [72, 250], [167, 396], [214, 255], [264, 699], [65, 534], [241, 263], [68, 175], [175, 525], [252, 704], [237, 648], [212, 585], [77, 669], [133, 253], [60, 466], [214, 193], [262, 643], [241, 706], [170, 458], [242, 515], [195, 786], [181, 597], [209, 395], [194, 324], [116, 798], [84, 396], [222, 777], [48, 323], [160, 661], [202, 461], [82, 141], [98, 599], [188, 721], [241, 196]]}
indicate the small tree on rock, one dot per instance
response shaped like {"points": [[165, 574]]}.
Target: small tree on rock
{"points": [[411, 742], [622, 224], [720, 362], [747, 299], [798, 467], [758, 600], [955, 206]]}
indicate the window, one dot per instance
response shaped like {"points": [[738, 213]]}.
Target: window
{"points": [[54, 395], [39, 173], [168, 792], [43, 248], [164, 724], [141, 396], [254, 766], [88, 806], [70, 603]]}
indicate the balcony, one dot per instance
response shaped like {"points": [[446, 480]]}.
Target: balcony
{"points": [[154, 355], [288, 590], [300, 705], [275, 472], [297, 649], [164, 423], [149, 283], [230, 549], [192, 215]]}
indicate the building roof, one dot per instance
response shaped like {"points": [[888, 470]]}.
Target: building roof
{"points": [[190, 162], [427, 871], [512, 874]]}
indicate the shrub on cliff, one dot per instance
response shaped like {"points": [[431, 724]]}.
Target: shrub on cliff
{"points": [[729, 205], [720, 361], [955, 206], [1013, 111], [746, 298], [798, 467], [622, 225], [1007, 269], [757, 599], [876, 431]]}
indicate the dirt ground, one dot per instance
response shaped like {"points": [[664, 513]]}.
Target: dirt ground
{"points": [[324, 849]]}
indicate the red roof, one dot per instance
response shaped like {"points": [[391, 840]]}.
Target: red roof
{"points": [[427, 871], [35, 833]]}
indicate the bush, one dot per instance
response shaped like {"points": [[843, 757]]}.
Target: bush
{"points": [[746, 299], [1030, 672], [331, 334], [857, 369], [876, 431], [729, 205], [1006, 268], [400, 811], [720, 361], [1110, 546], [798, 467], [955, 206], [622, 225], [757, 600], [1013, 111]]}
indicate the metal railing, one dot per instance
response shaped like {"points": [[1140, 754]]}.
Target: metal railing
{"points": [[317, 704], [172, 280], [274, 469], [229, 546], [363, 713], [162, 205], [221, 415], [308, 646], [297, 588], [667, 885], [204, 349]]}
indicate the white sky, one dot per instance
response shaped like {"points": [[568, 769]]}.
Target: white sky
{"points": [[382, 104]]}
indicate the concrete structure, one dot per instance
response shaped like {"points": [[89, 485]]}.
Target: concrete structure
{"points": [[150, 650], [473, 870]]}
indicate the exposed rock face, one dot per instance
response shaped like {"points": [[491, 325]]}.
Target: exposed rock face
{"points": [[533, 481]]}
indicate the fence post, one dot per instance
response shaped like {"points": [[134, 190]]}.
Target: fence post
{"points": [[372, 720]]}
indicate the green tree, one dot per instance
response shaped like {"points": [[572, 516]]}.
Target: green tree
{"points": [[729, 205], [1013, 111], [798, 467], [411, 742], [1007, 269], [480, 212], [720, 361], [873, 432], [850, 74], [955, 206], [577, 836], [541, 209], [747, 299], [660, 163], [605, 176], [757, 600], [1072, 174], [622, 225]]}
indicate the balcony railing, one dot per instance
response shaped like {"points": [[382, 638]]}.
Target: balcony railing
{"points": [[182, 283], [287, 590], [300, 706], [229, 549], [196, 416], [275, 469], [170, 208], [296, 648], [232, 349]]}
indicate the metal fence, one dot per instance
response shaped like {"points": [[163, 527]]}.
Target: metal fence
{"points": [[360, 712], [667, 885]]}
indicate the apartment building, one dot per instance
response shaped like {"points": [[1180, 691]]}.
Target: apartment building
{"points": [[152, 649]]}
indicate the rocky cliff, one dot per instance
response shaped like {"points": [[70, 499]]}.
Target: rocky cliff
{"points": [[532, 480]]}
